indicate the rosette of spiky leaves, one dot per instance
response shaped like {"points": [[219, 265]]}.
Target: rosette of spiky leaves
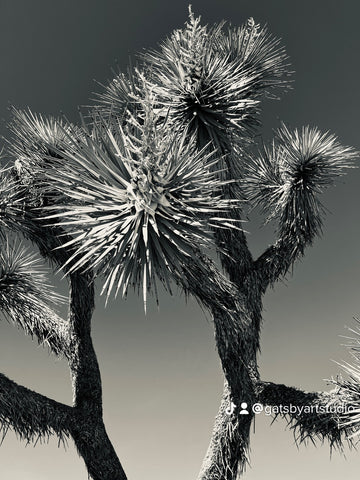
{"points": [[35, 139], [350, 386], [136, 202], [287, 178], [210, 79], [25, 295], [122, 95]]}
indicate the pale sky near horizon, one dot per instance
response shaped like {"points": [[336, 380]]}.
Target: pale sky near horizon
{"points": [[161, 375]]}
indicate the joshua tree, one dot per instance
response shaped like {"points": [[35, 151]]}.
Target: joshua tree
{"points": [[157, 174]]}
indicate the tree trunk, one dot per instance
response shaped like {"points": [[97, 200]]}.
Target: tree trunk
{"points": [[88, 431], [226, 456], [94, 446]]}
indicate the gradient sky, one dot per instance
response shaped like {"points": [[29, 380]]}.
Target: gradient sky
{"points": [[161, 375]]}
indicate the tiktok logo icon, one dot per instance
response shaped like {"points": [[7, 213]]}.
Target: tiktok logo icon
{"points": [[230, 409], [244, 409]]}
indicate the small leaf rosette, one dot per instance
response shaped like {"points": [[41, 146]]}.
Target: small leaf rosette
{"points": [[287, 178], [24, 290], [38, 141]]}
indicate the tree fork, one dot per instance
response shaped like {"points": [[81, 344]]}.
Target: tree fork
{"points": [[88, 430]]}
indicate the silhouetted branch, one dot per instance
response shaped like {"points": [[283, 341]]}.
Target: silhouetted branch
{"points": [[31, 415], [286, 181], [312, 415]]}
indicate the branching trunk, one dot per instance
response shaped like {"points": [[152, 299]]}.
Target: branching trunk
{"points": [[73, 340], [236, 334], [88, 431]]}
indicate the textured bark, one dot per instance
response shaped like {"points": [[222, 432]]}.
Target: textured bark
{"points": [[276, 261], [83, 363], [87, 429], [227, 452], [237, 340], [323, 418], [30, 414], [94, 446], [236, 324]]}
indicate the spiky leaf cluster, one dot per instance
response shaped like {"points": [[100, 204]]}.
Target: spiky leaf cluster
{"points": [[350, 386], [136, 200], [210, 80], [22, 269], [35, 139], [123, 95], [25, 294], [287, 178], [350, 389]]}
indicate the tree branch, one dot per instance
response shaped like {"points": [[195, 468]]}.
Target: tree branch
{"points": [[314, 415], [83, 363], [234, 328], [40, 321], [30, 414], [287, 180], [277, 259], [88, 431]]}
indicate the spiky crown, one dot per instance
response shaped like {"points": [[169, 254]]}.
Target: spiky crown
{"points": [[287, 178], [136, 198], [210, 80]]}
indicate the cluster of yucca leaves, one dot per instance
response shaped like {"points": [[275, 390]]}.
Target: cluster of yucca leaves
{"points": [[144, 182], [25, 294], [288, 176]]}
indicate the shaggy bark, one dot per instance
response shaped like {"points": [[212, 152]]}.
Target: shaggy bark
{"points": [[227, 455], [236, 326], [30, 414], [39, 321], [227, 452], [88, 431], [36, 415], [94, 446], [318, 415]]}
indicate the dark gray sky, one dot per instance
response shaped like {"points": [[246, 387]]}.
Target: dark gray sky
{"points": [[161, 374]]}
